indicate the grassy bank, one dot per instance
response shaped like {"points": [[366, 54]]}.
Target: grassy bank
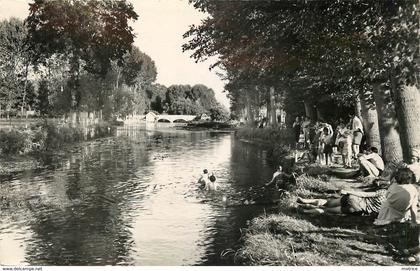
{"points": [[292, 238], [18, 145], [267, 135], [278, 141]]}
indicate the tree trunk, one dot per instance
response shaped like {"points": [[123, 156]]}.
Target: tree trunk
{"points": [[310, 110], [24, 91], [370, 121], [407, 101], [319, 114], [273, 118], [249, 113], [268, 107], [387, 119], [358, 107], [271, 108]]}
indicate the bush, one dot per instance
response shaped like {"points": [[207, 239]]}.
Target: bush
{"points": [[279, 140], [282, 136], [47, 136], [12, 142]]}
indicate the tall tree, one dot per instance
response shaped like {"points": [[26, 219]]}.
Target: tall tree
{"points": [[90, 34], [14, 63]]}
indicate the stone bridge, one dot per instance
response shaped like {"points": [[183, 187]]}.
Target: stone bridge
{"points": [[152, 117], [173, 118]]}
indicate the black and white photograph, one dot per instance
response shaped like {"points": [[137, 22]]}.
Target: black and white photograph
{"points": [[204, 133]]}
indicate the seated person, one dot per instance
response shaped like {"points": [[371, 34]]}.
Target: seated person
{"points": [[282, 180], [371, 162], [351, 202], [203, 179], [211, 184], [401, 200], [414, 165]]}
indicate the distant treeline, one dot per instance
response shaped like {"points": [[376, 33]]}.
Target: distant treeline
{"points": [[70, 56]]}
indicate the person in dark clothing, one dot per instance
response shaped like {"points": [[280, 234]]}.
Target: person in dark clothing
{"points": [[297, 127]]}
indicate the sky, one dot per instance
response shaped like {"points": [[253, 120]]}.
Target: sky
{"points": [[159, 31]]}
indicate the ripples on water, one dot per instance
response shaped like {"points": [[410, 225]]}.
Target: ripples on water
{"points": [[131, 200]]}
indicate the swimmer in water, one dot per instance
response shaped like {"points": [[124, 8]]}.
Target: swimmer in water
{"points": [[204, 178], [211, 185]]}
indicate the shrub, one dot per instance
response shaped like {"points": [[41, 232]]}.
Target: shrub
{"points": [[270, 135], [47, 135], [12, 142]]}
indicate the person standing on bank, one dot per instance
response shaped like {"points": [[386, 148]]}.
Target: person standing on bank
{"points": [[296, 129], [357, 128]]}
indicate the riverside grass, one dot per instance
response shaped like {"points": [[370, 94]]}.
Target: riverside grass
{"points": [[278, 140], [46, 136], [293, 239], [286, 240]]}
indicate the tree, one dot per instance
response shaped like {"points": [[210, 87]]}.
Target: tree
{"points": [[43, 105], [156, 95], [342, 48], [219, 113], [138, 68], [14, 64], [55, 29]]}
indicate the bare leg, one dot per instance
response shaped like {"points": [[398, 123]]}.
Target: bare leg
{"points": [[333, 210], [332, 203], [316, 202], [349, 159], [315, 211], [356, 149], [369, 167]]}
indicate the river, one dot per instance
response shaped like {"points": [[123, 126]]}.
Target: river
{"points": [[132, 199]]}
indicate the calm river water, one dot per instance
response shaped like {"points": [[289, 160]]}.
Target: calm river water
{"points": [[132, 199]]}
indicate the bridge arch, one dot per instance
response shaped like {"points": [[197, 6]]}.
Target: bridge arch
{"points": [[179, 121], [164, 120]]}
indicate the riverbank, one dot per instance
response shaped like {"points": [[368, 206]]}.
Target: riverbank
{"points": [[22, 147], [289, 237], [210, 125], [278, 142]]}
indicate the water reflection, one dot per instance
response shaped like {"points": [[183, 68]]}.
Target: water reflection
{"points": [[132, 200]]}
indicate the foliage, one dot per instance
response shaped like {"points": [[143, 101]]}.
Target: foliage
{"points": [[156, 95], [270, 135], [55, 32], [219, 113], [46, 136], [14, 64], [12, 142], [308, 49], [195, 100], [55, 28]]}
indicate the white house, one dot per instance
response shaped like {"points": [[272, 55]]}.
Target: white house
{"points": [[151, 116], [204, 116]]}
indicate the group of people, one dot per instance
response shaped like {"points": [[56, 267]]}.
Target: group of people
{"points": [[321, 142], [391, 201], [207, 181], [317, 137]]}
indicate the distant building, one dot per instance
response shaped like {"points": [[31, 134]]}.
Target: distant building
{"points": [[151, 116], [204, 116]]}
